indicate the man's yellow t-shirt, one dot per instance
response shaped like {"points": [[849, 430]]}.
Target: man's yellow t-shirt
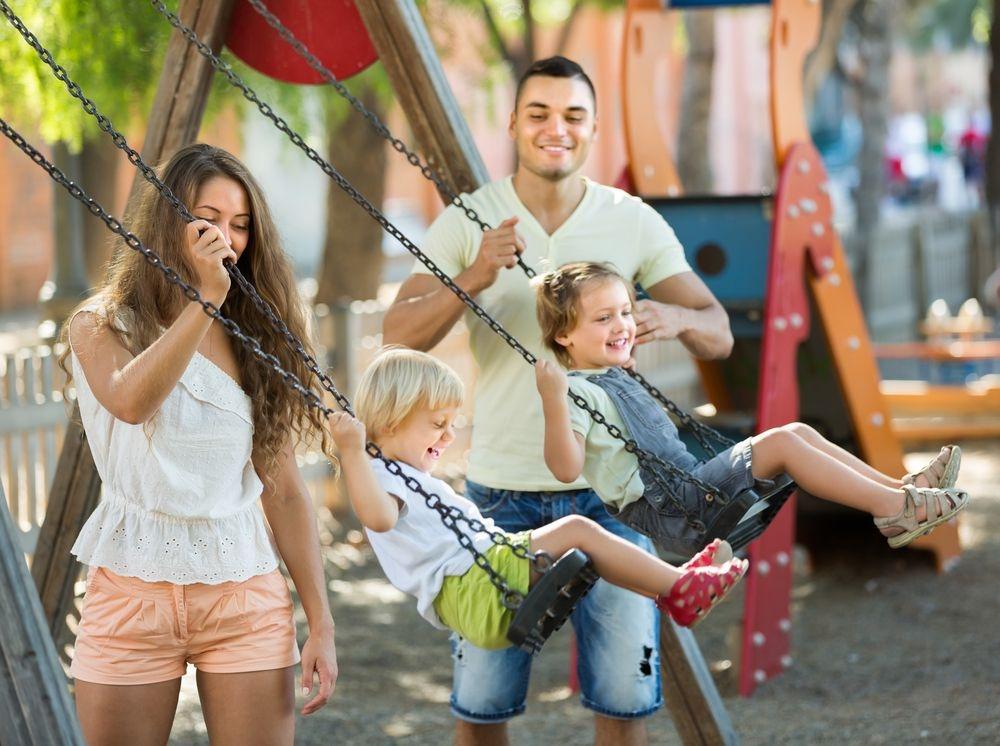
{"points": [[608, 225]]}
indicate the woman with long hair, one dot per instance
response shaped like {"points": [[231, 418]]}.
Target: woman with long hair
{"points": [[194, 442]]}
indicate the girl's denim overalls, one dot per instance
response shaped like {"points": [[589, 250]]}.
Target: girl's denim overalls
{"points": [[655, 514]]}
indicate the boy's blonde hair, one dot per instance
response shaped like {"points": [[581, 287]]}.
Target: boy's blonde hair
{"points": [[558, 299], [399, 381]]}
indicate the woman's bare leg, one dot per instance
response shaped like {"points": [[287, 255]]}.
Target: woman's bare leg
{"points": [[138, 715], [813, 438], [821, 474], [246, 709], [616, 560]]}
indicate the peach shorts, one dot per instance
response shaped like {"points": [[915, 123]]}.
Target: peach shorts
{"points": [[134, 632]]}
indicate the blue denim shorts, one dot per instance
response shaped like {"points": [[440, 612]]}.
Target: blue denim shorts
{"points": [[617, 631]]}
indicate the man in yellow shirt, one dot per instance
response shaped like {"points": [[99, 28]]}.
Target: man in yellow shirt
{"points": [[549, 214]]}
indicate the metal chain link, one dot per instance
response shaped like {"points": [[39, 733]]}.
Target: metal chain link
{"points": [[377, 124], [230, 326], [450, 515], [392, 230], [701, 432]]}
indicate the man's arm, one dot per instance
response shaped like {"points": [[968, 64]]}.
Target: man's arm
{"points": [[425, 310], [682, 307]]}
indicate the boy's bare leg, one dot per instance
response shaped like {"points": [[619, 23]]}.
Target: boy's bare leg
{"points": [[616, 560], [813, 438]]}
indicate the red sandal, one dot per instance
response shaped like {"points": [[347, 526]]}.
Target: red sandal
{"points": [[699, 589], [717, 552]]}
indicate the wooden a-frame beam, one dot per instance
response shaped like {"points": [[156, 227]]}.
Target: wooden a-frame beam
{"points": [[409, 58], [35, 708]]}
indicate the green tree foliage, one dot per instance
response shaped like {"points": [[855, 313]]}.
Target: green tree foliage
{"points": [[959, 22], [112, 48], [115, 50]]}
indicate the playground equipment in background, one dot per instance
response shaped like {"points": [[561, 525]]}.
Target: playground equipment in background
{"points": [[757, 253], [948, 386]]}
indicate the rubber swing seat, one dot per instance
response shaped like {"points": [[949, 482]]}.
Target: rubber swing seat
{"points": [[749, 513], [547, 606]]}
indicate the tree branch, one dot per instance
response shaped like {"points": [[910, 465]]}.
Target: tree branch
{"points": [[824, 57], [496, 36], [529, 36], [567, 29]]}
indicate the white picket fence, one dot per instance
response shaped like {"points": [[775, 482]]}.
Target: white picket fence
{"points": [[939, 255], [33, 419]]}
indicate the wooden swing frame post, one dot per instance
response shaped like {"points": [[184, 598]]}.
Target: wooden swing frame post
{"points": [[35, 707]]}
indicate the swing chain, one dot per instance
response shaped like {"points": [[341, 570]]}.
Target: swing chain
{"points": [[191, 293], [233, 329], [133, 242], [701, 432], [89, 106], [450, 515], [359, 199], [379, 126], [651, 461], [106, 125], [341, 182]]}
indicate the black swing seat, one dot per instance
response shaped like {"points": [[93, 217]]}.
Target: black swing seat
{"points": [[749, 513], [549, 603]]}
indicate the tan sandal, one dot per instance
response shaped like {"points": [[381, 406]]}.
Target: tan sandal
{"points": [[941, 505], [941, 471]]}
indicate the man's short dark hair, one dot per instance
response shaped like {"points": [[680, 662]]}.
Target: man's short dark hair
{"points": [[555, 67]]}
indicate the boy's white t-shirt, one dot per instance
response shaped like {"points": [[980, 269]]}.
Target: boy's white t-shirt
{"points": [[420, 551], [608, 225]]}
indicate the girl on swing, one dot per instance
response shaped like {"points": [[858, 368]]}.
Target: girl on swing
{"points": [[194, 445], [585, 311], [407, 402]]}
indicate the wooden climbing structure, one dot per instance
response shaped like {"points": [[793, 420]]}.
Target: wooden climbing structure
{"points": [[759, 255]]}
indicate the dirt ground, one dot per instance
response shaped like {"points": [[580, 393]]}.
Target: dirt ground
{"points": [[885, 649]]}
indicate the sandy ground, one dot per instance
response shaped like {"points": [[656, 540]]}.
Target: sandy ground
{"points": [[885, 649]]}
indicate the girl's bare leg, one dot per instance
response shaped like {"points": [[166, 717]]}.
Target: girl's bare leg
{"points": [[813, 438], [246, 709], [823, 475], [616, 560], [138, 715]]}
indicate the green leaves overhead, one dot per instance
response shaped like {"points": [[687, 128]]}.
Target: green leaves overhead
{"points": [[112, 48], [115, 49]]}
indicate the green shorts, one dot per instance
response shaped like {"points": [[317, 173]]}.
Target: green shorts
{"points": [[473, 607]]}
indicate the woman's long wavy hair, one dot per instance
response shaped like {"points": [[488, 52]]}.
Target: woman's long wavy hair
{"points": [[139, 296]]}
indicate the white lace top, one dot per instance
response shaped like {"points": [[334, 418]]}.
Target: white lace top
{"points": [[181, 497]]}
